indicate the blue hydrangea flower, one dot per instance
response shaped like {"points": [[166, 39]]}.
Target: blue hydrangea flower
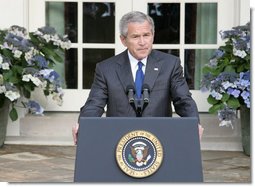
{"points": [[34, 107], [228, 72], [42, 62], [26, 62]]}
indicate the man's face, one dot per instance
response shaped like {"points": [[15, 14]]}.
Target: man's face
{"points": [[139, 39]]}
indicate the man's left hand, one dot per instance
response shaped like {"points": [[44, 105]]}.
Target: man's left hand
{"points": [[200, 131]]}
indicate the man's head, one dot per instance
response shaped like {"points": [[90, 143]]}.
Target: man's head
{"points": [[137, 33]]}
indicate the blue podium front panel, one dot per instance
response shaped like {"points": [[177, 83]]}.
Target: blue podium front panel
{"points": [[99, 138]]}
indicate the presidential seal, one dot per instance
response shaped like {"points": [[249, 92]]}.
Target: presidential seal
{"points": [[139, 154]]}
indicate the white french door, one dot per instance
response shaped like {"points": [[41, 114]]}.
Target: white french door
{"points": [[190, 29], [186, 28], [92, 27]]}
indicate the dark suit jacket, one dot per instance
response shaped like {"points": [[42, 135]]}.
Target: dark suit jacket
{"points": [[163, 74]]}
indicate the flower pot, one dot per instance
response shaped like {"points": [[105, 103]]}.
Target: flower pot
{"points": [[4, 115], [245, 126]]}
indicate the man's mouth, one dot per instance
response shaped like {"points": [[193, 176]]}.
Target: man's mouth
{"points": [[144, 49]]}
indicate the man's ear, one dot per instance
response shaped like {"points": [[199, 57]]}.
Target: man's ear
{"points": [[123, 40]]}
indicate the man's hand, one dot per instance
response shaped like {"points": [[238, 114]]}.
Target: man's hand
{"points": [[75, 133], [200, 131]]}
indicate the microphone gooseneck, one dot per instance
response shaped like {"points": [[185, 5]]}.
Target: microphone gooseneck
{"points": [[146, 93], [140, 104], [130, 90]]}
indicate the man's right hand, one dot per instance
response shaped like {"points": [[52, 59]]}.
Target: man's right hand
{"points": [[75, 133]]}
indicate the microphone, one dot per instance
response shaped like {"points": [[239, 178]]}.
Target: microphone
{"points": [[130, 90], [146, 93]]}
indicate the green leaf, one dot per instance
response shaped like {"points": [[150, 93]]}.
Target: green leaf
{"points": [[7, 53], [46, 51], [240, 68], [233, 103], [53, 54], [59, 55], [229, 68], [215, 108], [7, 75], [225, 97], [207, 69], [18, 69], [211, 100], [247, 66], [13, 114], [34, 39], [27, 92], [226, 61], [14, 79], [46, 92], [28, 87]]}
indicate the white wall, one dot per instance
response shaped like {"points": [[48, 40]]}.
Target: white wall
{"points": [[13, 12]]}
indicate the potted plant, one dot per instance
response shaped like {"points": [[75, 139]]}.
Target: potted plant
{"points": [[26, 62], [227, 77]]}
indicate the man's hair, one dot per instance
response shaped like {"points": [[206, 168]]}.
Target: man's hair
{"points": [[134, 17]]}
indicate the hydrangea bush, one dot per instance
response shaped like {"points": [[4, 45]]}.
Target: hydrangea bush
{"points": [[227, 75], [26, 62]]}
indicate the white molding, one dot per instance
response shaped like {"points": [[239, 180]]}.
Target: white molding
{"points": [[244, 11], [13, 13], [36, 14]]}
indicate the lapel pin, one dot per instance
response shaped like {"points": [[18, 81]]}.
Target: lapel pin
{"points": [[156, 69]]}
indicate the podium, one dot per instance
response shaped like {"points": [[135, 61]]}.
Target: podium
{"points": [[154, 149]]}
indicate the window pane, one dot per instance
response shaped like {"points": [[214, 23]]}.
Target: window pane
{"points": [[174, 52], [194, 61], [201, 23], [63, 17], [98, 22], [90, 58], [71, 68], [167, 22], [68, 69]]}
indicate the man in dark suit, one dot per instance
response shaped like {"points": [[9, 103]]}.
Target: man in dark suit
{"points": [[160, 72]]}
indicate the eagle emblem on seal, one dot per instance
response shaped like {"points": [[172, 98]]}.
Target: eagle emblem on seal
{"points": [[139, 154]]}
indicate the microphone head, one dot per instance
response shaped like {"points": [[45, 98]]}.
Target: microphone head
{"points": [[146, 87], [130, 87]]}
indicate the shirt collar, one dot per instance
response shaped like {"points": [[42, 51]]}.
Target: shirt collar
{"points": [[133, 60]]}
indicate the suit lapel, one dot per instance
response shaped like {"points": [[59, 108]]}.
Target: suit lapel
{"points": [[151, 73], [124, 71], [152, 70]]}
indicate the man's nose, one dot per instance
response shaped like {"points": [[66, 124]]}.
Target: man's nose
{"points": [[141, 40]]}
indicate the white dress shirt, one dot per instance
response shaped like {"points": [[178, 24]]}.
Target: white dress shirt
{"points": [[134, 65]]}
